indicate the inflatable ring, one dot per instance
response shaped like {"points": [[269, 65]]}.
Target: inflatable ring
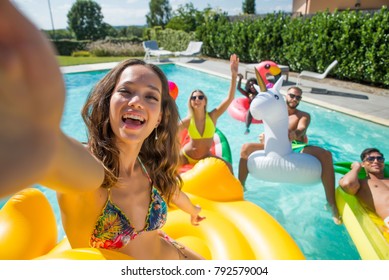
{"points": [[239, 108], [220, 147]]}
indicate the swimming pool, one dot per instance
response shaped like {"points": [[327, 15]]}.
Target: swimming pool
{"points": [[299, 209]]}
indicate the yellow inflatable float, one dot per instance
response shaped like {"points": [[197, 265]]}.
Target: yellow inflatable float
{"points": [[27, 226], [366, 228], [234, 229]]}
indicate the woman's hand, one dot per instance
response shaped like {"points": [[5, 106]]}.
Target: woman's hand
{"points": [[32, 95], [234, 64], [195, 219]]}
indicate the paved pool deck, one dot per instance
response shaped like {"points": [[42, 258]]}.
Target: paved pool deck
{"points": [[365, 102]]}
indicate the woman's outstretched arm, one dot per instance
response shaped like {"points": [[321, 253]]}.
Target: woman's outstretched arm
{"points": [[182, 201], [32, 93], [239, 87], [234, 65]]}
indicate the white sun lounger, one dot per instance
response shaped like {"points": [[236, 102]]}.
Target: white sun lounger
{"points": [[152, 49], [315, 75], [193, 49]]}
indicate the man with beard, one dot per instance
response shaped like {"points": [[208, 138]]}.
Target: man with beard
{"points": [[298, 125], [372, 191]]}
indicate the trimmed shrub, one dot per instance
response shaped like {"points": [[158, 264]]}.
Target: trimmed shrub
{"points": [[102, 48], [67, 47], [170, 39], [81, 54]]}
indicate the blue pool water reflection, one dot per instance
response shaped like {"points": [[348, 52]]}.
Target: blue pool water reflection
{"points": [[299, 209]]}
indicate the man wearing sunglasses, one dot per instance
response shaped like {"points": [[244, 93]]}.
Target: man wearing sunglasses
{"points": [[372, 191], [298, 126]]}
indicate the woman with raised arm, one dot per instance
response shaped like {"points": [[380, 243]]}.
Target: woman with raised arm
{"points": [[250, 92], [201, 124]]}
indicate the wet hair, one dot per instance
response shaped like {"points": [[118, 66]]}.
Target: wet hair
{"points": [[368, 151], [296, 88], [190, 108], [251, 80], [160, 157]]}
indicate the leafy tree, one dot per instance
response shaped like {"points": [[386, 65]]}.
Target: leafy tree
{"points": [[136, 31], [108, 30], [59, 34], [186, 18], [130, 32], [248, 7], [160, 13], [85, 19]]}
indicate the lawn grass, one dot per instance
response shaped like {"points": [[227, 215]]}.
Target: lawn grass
{"points": [[70, 60]]}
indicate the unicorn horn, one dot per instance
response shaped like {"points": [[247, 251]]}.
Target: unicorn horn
{"points": [[261, 83]]}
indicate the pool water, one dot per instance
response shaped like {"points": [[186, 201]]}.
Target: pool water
{"points": [[299, 209]]}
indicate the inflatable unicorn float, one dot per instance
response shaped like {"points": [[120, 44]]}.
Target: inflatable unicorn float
{"points": [[277, 162], [239, 107]]}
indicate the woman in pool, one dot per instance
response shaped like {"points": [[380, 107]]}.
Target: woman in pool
{"points": [[112, 192], [201, 124], [250, 92]]}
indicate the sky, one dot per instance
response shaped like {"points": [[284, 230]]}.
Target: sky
{"points": [[131, 12]]}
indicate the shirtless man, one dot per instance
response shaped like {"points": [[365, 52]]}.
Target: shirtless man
{"points": [[373, 191], [298, 125]]}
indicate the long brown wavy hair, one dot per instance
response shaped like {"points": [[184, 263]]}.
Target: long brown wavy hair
{"points": [[160, 156]]}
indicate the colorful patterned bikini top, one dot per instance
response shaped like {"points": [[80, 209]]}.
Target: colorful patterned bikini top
{"points": [[113, 230]]}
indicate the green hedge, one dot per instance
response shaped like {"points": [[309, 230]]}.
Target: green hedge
{"points": [[170, 39], [358, 40], [67, 47]]}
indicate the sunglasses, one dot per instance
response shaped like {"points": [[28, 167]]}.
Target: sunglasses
{"points": [[372, 159], [199, 97], [293, 96]]}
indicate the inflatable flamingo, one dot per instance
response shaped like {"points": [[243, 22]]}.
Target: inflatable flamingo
{"points": [[240, 106], [278, 162], [266, 68]]}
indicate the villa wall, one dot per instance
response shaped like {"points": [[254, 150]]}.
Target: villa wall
{"points": [[303, 7]]}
